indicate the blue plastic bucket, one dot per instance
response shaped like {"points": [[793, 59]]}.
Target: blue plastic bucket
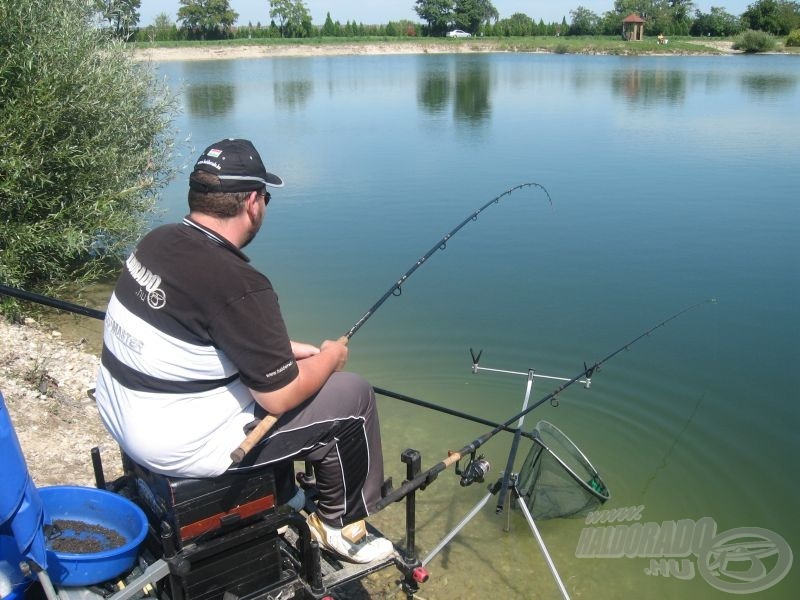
{"points": [[92, 506], [21, 510], [16, 482]]}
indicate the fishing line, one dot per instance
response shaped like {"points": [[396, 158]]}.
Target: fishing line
{"points": [[424, 479], [668, 454]]}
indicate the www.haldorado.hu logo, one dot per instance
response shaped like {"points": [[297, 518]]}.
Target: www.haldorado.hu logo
{"points": [[740, 561]]}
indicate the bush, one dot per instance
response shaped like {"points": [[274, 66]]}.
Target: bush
{"points": [[794, 38], [754, 41], [85, 145]]}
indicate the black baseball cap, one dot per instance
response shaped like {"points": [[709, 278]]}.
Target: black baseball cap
{"points": [[237, 164]]}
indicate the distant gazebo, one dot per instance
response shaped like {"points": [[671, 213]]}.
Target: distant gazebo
{"points": [[633, 28]]}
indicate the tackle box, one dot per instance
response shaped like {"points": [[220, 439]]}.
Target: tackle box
{"points": [[197, 508]]}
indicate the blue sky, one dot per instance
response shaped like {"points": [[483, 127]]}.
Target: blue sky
{"points": [[383, 11]]}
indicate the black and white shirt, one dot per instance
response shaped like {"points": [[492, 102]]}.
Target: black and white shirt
{"points": [[191, 326]]}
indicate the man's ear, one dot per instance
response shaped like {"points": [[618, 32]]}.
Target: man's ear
{"points": [[251, 204]]}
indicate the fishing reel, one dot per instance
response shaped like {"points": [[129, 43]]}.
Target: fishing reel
{"points": [[474, 472]]}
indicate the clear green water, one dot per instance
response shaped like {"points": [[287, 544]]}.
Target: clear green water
{"points": [[673, 180]]}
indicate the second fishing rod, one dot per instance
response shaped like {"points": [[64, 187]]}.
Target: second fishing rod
{"points": [[585, 376], [395, 289]]}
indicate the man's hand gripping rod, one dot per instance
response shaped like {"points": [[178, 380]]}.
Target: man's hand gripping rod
{"points": [[255, 436], [259, 431]]}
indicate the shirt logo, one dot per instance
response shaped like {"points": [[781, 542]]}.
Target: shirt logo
{"points": [[156, 297]]}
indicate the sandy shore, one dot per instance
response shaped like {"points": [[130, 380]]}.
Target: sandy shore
{"points": [[44, 378], [370, 49], [305, 50]]}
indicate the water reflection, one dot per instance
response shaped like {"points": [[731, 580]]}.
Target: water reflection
{"points": [[467, 88], [293, 84], [210, 99], [650, 87], [768, 85], [433, 90], [473, 84], [209, 90]]}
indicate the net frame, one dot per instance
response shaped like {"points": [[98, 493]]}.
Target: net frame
{"points": [[549, 486]]}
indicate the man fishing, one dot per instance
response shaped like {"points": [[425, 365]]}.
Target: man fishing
{"points": [[196, 352]]}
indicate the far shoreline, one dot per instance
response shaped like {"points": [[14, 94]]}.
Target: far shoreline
{"points": [[246, 50]]}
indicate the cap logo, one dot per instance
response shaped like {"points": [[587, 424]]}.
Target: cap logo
{"points": [[211, 163], [214, 153]]}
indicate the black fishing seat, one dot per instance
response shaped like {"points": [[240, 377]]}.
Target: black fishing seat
{"points": [[197, 508], [219, 535]]}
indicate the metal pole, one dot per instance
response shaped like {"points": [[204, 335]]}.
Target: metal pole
{"points": [[539, 539], [512, 455], [476, 509]]}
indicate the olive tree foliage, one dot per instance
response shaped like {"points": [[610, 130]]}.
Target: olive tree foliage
{"points": [[85, 145], [207, 19], [292, 16]]}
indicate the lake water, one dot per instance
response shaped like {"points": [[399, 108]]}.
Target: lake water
{"points": [[673, 180]]}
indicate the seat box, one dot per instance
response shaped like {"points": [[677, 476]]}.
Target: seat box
{"points": [[234, 565], [206, 507]]}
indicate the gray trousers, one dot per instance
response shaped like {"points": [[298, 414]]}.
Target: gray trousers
{"points": [[337, 430]]}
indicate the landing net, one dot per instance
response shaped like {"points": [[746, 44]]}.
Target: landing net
{"points": [[556, 479]]}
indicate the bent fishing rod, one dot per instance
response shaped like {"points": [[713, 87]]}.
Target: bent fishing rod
{"points": [[425, 478], [100, 315], [396, 289], [267, 422]]}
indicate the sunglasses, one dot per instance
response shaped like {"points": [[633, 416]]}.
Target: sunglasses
{"points": [[266, 196]]}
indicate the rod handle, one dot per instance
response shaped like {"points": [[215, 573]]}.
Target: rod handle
{"points": [[452, 458], [258, 432]]}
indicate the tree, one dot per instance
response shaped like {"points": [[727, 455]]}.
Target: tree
{"points": [[584, 22], [778, 17], [122, 15], [437, 13], [469, 15], [163, 26], [518, 24], [328, 29], [207, 18], [85, 146], [293, 17], [718, 23], [643, 8]]}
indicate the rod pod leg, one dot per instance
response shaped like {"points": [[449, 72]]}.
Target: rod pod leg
{"points": [[538, 536]]}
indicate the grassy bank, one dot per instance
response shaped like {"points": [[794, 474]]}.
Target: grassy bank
{"points": [[561, 45]]}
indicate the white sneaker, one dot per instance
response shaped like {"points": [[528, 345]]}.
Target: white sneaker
{"points": [[352, 542]]}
